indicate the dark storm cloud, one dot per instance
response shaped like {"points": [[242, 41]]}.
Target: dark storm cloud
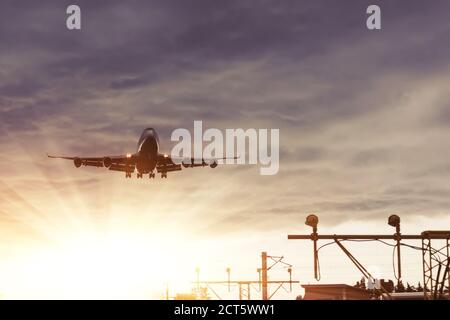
{"points": [[128, 83], [146, 42], [25, 87], [17, 118], [191, 35], [27, 115]]}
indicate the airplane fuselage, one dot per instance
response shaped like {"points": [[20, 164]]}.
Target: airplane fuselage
{"points": [[147, 151]]}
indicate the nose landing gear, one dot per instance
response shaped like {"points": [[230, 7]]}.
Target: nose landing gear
{"points": [[163, 174]]}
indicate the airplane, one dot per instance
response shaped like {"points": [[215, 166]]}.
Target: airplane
{"points": [[144, 161]]}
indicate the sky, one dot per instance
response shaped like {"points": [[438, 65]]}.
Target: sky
{"points": [[364, 132]]}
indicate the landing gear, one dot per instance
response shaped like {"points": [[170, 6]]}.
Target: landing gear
{"points": [[140, 175]]}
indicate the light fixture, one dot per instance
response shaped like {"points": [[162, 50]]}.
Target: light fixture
{"points": [[312, 220], [394, 220]]}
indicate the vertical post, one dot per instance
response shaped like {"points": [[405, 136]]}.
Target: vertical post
{"points": [[248, 291], [259, 277], [167, 291], [229, 278], [264, 275], [399, 261], [448, 275], [290, 279], [240, 291], [197, 270], [424, 271], [314, 237], [394, 221], [312, 220], [430, 255], [447, 242]]}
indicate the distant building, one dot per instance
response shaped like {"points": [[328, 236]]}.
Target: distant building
{"points": [[406, 296], [185, 296], [200, 293], [346, 292], [335, 292]]}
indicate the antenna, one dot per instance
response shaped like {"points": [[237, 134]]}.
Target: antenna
{"points": [[245, 286]]}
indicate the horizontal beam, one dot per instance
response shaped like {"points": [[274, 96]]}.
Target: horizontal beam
{"points": [[243, 282], [366, 236]]}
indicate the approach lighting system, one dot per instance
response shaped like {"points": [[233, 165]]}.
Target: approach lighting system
{"points": [[312, 220], [394, 220]]}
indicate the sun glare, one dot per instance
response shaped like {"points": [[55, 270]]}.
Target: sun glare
{"points": [[92, 237], [92, 267]]}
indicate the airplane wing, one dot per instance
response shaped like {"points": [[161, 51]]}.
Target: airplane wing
{"points": [[125, 163], [166, 163]]}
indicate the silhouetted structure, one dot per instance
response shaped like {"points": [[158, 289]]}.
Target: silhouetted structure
{"points": [[335, 292], [435, 258], [245, 286]]}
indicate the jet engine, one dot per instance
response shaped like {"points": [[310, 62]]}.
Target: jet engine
{"points": [[107, 162], [77, 162], [213, 165]]}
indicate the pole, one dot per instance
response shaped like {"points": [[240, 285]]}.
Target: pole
{"points": [[259, 277], [290, 279], [448, 272], [398, 237], [264, 275], [228, 274], [197, 270], [448, 268], [167, 291], [314, 237]]}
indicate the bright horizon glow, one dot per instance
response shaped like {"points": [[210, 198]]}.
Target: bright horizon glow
{"points": [[113, 239], [94, 267]]}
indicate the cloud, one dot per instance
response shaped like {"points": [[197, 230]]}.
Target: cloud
{"points": [[350, 103]]}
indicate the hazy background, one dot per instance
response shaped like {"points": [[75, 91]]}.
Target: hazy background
{"points": [[364, 132]]}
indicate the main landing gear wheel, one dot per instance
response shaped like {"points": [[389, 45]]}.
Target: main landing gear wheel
{"points": [[139, 175], [127, 174], [152, 175], [164, 175]]}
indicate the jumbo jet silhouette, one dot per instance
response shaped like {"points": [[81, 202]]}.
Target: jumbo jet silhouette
{"points": [[146, 160]]}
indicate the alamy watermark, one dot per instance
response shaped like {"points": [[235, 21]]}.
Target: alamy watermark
{"points": [[236, 146], [73, 19]]}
